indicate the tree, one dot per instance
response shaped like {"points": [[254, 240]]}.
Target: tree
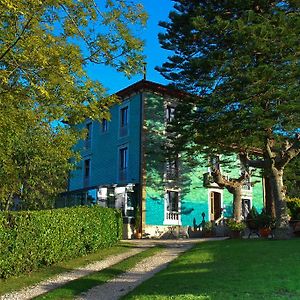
{"points": [[45, 49], [292, 178], [241, 58]]}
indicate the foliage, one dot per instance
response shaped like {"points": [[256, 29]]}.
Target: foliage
{"points": [[264, 220], [236, 226], [241, 61], [208, 226], [11, 284], [253, 213], [45, 49], [137, 218], [293, 205], [36, 238], [292, 178]]}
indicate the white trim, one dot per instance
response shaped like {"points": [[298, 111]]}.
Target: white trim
{"points": [[168, 221], [214, 190]]}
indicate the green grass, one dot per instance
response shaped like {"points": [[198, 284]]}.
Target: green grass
{"points": [[17, 283], [231, 269], [78, 286]]}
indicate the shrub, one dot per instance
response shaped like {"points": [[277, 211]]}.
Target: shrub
{"points": [[30, 239], [293, 205], [236, 226]]}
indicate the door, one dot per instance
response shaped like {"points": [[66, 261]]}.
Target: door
{"points": [[215, 206]]}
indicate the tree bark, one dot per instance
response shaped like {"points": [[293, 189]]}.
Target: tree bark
{"points": [[237, 202], [282, 217], [234, 186]]}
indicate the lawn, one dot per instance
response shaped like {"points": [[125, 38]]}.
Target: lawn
{"points": [[231, 269], [81, 285], [16, 283]]}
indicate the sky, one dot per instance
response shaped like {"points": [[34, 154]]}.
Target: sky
{"points": [[113, 81]]}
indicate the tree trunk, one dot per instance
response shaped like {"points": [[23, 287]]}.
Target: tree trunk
{"points": [[269, 198], [237, 203], [282, 217]]}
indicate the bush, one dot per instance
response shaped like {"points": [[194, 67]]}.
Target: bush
{"points": [[236, 226], [32, 239], [293, 205]]}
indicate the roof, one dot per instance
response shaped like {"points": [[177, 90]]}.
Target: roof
{"points": [[143, 85]]}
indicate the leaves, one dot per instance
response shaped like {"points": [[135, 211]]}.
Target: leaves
{"points": [[45, 49]]}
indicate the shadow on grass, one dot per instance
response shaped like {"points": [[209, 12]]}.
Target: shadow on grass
{"points": [[229, 270], [78, 286]]}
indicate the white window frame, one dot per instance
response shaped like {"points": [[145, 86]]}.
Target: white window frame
{"points": [[166, 211]]}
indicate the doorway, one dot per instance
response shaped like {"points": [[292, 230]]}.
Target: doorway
{"points": [[215, 206]]}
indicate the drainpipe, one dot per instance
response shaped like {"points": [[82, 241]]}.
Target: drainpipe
{"points": [[142, 192]]}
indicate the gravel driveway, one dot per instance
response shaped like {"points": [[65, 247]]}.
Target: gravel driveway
{"points": [[120, 285]]}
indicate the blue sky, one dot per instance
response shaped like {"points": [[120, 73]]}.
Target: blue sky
{"points": [[158, 10]]}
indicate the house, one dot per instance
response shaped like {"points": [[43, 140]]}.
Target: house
{"points": [[124, 165]]}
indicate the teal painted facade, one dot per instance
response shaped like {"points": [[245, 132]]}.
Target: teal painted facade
{"points": [[147, 119], [104, 149]]}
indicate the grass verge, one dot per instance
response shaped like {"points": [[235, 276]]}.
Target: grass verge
{"points": [[231, 269], [78, 286], [25, 280]]}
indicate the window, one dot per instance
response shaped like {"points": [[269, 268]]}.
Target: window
{"points": [[172, 168], [246, 206], [104, 125], [172, 214], [123, 158], [170, 113], [87, 168], [215, 163], [124, 116], [123, 163], [88, 138], [173, 201]]}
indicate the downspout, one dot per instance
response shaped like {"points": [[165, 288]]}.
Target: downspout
{"points": [[142, 170]]}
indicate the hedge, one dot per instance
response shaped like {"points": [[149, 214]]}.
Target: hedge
{"points": [[293, 205], [31, 239]]}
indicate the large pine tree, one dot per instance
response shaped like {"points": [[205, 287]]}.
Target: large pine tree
{"points": [[241, 59]]}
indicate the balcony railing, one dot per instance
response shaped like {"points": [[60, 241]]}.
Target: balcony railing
{"points": [[172, 215]]}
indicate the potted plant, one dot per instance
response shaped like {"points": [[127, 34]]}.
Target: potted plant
{"points": [[265, 223], [208, 229], [252, 221], [235, 228]]}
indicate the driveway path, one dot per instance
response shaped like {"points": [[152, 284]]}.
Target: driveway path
{"points": [[120, 285]]}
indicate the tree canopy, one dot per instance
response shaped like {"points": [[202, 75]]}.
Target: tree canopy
{"points": [[45, 49], [241, 60]]}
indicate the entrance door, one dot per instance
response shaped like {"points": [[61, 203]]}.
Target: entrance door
{"points": [[215, 206]]}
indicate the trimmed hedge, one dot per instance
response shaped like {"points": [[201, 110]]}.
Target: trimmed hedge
{"points": [[31, 239]]}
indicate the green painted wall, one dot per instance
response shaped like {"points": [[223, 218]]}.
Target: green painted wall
{"points": [[194, 196]]}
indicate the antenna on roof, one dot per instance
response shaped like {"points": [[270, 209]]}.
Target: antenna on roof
{"points": [[145, 70]]}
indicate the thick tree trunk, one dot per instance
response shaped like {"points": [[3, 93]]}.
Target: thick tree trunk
{"points": [[269, 198], [282, 217], [237, 203]]}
